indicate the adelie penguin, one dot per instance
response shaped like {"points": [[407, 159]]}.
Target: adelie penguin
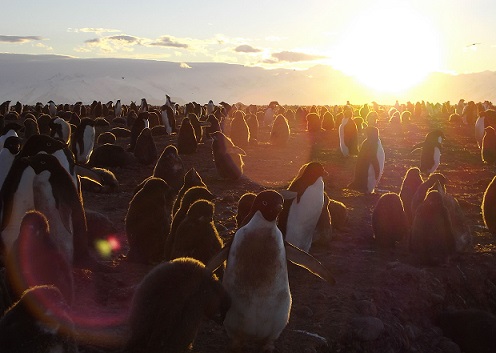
{"points": [[430, 157], [139, 124], [168, 119], [256, 275], [348, 134], [370, 163], [170, 167], [409, 186], [10, 149], [186, 138], [169, 305], [84, 140], [389, 221], [191, 178], [489, 206], [227, 157], [60, 129], [488, 146], [304, 199]]}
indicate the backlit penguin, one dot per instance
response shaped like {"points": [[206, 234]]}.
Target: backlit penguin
{"points": [[84, 140], [169, 305], [227, 157], [147, 221], [253, 126], [327, 121], [280, 131], [244, 206], [60, 129], [488, 147], [110, 155], [409, 186], [4, 107], [300, 214], [197, 236], [56, 196], [423, 189], [186, 138], [314, 123], [348, 134], [35, 259], [431, 151], [167, 117], [210, 107], [145, 149], [197, 126], [30, 126], [431, 238], [486, 118], [256, 275], [389, 221], [339, 214], [489, 206], [118, 109], [52, 109], [10, 149], [370, 163], [240, 133], [190, 196], [212, 125], [170, 167], [139, 124], [190, 179], [38, 322], [323, 229], [44, 124], [106, 137], [143, 106]]}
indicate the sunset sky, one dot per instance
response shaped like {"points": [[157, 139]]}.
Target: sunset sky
{"points": [[375, 41]]}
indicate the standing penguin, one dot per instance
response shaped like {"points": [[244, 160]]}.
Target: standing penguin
{"points": [[10, 149], [118, 109], [168, 119], [280, 131], [145, 149], [431, 151], [489, 206], [240, 133], [60, 129], [227, 157], [169, 305], [301, 214], [148, 220], [52, 109], [389, 220], [256, 275], [348, 134], [8, 130], [143, 106], [186, 138], [488, 146], [191, 178], [370, 162], [409, 186], [138, 125], [170, 167], [423, 189], [84, 140]]}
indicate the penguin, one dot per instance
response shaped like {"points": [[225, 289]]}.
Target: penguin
{"points": [[256, 275], [170, 167], [327, 121], [423, 189], [190, 196], [411, 182], [148, 221], [191, 178], [488, 146], [56, 196], [60, 129], [35, 259], [488, 206], [30, 126], [253, 127], [44, 124], [227, 157], [370, 163], [143, 106], [186, 138], [84, 140], [339, 214], [348, 134], [280, 131], [430, 157], [52, 108], [212, 125], [106, 137], [372, 118], [197, 237], [38, 322], [167, 118], [240, 133], [145, 149], [10, 129], [210, 107], [139, 124], [389, 221], [431, 239], [10, 150], [169, 305], [314, 123], [110, 155], [118, 109], [4, 108], [244, 206], [300, 215], [197, 126], [322, 233]]}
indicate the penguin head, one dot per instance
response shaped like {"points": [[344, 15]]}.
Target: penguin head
{"points": [[433, 199], [192, 178], [202, 210], [42, 161], [413, 174], [308, 174], [269, 203], [244, 206], [34, 224], [13, 144], [41, 143], [434, 137]]}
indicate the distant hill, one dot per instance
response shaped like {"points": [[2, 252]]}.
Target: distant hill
{"points": [[40, 78]]}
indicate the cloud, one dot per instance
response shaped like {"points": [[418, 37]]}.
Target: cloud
{"points": [[19, 39], [124, 38], [246, 49], [92, 41], [291, 56], [167, 41], [93, 30]]}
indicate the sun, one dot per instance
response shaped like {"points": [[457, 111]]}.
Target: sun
{"points": [[389, 49]]}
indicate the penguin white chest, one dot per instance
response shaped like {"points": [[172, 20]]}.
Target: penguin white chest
{"points": [[83, 155], [165, 121], [479, 130], [256, 279], [437, 159], [372, 179], [6, 136], [303, 215], [342, 145]]}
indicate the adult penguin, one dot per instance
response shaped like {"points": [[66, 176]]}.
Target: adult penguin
{"points": [[348, 134], [300, 215], [256, 275], [488, 146], [430, 157], [10, 129], [186, 138], [84, 140], [147, 221], [227, 157], [370, 162], [168, 119], [10, 149], [60, 129]]}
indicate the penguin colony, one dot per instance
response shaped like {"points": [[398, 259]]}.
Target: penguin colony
{"points": [[171, 222]]}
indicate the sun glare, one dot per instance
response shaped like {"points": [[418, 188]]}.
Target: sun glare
{"points": [[388, 49]]}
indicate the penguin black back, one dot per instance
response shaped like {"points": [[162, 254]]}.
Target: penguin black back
{"points": [[191, 178], [186, 138], [409, 186], [389, 221]]}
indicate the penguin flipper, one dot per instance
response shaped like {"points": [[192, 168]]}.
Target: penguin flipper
{"points": [[308, 262], [217, 261]]}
